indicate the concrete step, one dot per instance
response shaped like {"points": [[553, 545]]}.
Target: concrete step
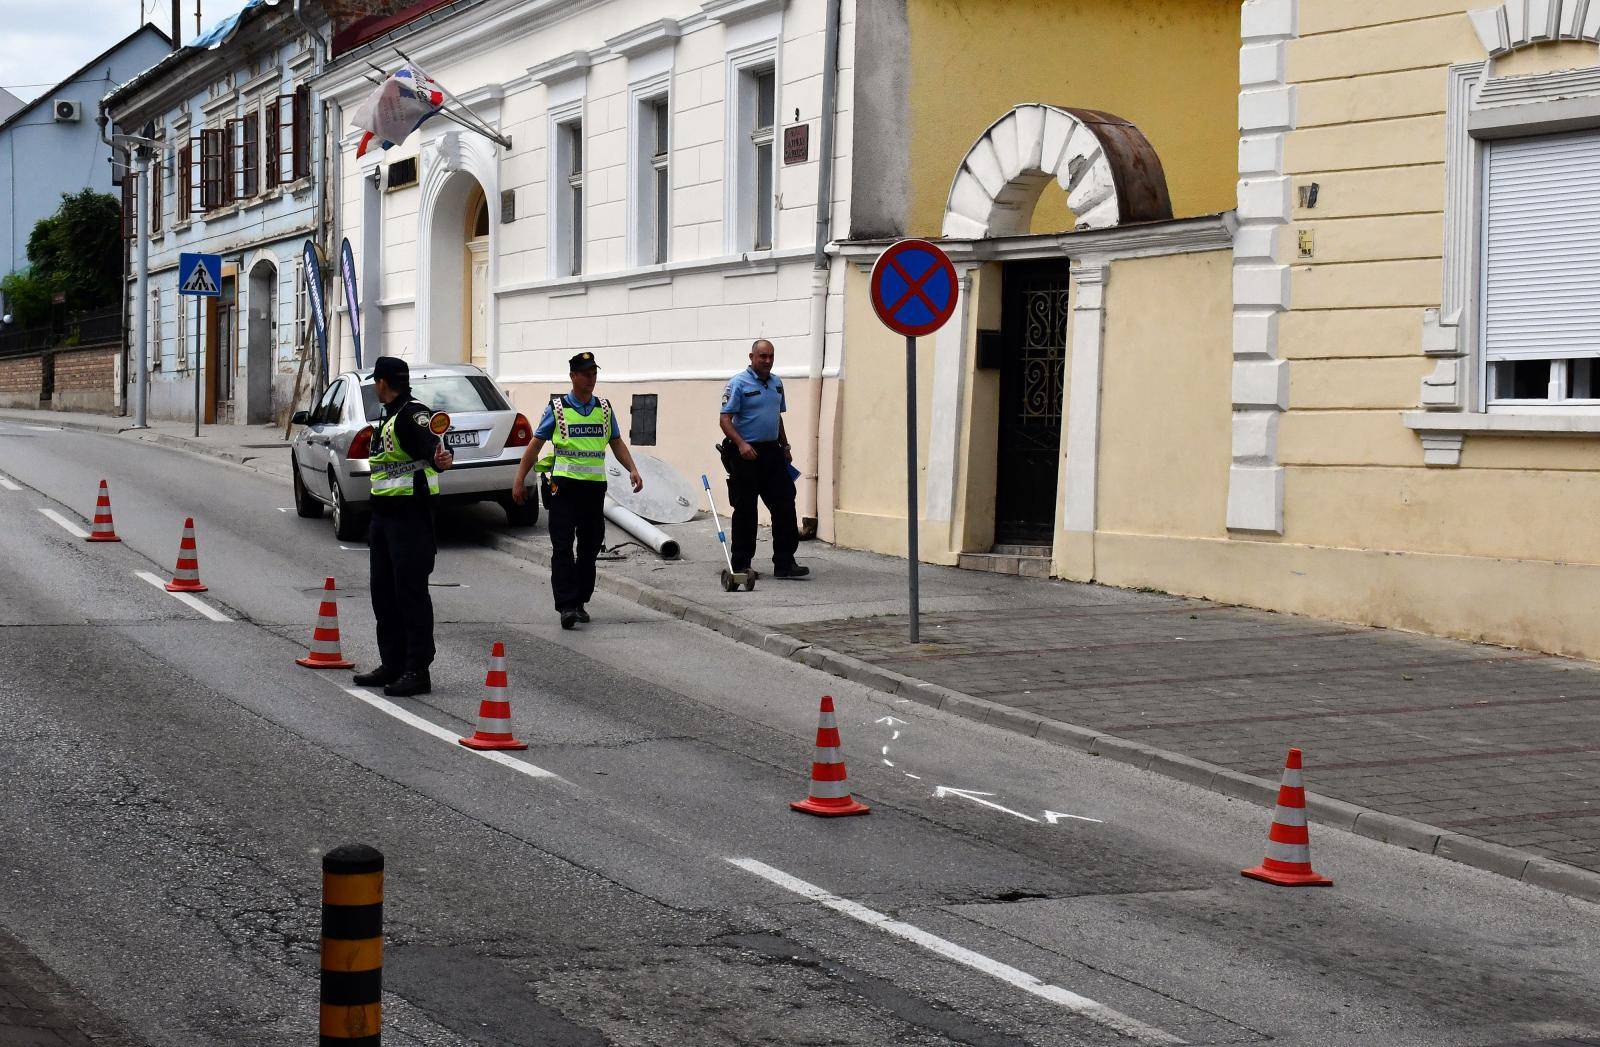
{"points": [[1021, 550], [1000, 563]]}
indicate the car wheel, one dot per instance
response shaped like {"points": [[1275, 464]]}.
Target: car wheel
{"points": [[349, 523], [525, 515], [304, 504]]}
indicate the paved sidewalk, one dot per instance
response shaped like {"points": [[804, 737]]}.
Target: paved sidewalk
{"points": [[1477, 753], [1482, 754], [38, 1009]]}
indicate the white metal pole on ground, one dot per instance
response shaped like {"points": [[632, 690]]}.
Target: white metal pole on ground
{"points": [[659, 541], [141, 304]]}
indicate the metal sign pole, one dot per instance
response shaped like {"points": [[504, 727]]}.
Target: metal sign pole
{"points": [[199, 318], [913, 551]]}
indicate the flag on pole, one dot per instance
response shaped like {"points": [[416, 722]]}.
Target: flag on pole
{"points": [[397, 107]]}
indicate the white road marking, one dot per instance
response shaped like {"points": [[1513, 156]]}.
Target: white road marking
{"points": [[281, 509], [445, 734], [1055, 816], [976, 797], [45, 428], [66, 524], [890, 721], [1098, 1013], [188, 599], [8, 483]]}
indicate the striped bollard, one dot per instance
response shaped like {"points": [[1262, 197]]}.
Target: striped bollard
{"points": [[352, 946], [186, 576]]}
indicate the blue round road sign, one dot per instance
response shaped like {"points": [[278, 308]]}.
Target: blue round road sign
{"points": [[914, 288]]}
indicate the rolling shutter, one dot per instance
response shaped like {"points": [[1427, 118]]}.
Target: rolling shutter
{"points": [[1542, 248]]}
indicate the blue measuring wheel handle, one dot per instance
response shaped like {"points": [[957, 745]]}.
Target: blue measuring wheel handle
{"points": [[705, 482], [914, 288]]}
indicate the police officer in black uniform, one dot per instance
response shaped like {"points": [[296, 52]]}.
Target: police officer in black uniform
{"points": [[401, 541]]}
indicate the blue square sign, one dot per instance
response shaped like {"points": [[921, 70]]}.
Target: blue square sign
{"points": [[200, 274]]}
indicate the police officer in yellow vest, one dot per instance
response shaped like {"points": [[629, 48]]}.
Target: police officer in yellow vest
{"points": [[406, 461], [581, 426]]}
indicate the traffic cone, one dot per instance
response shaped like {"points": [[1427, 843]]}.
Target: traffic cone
{"points": [[1288, 860], [324, 652], [103, 530], [494, 712], [186, 576], [829, 797]]}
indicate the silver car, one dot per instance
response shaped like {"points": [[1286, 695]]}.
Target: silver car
{"points": [[486, 434]]}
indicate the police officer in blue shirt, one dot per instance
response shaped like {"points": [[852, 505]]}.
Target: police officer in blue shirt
{"points": [[756, 455], [587, 427]]}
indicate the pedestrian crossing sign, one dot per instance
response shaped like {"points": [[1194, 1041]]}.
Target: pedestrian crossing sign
{"points": [[200, 274]]}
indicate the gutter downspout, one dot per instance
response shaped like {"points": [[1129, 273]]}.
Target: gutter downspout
{"points": [[314, 101], [821, 265]]}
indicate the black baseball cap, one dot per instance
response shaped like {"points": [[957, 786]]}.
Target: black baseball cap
{"points": [[393, 370], [582, 362]]}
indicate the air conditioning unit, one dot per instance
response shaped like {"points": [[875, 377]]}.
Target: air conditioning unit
{"points": [[67, 111]]}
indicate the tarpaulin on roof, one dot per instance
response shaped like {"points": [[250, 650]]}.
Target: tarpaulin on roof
{"points": [[223, 31]]}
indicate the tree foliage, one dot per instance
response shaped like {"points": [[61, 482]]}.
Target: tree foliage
{"points": [[77, 252]]}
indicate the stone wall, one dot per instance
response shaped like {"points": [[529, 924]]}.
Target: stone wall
{"points": [[21, 381]]}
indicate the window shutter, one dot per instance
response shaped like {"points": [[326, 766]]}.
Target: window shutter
{"points": [[155, 196], [1542, 248], [274, 132], [212, 148], [185, 173], [250, 155], [300, 162], [233, 166]]}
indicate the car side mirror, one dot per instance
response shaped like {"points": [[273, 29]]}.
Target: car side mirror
{"points": [[300, 418]]}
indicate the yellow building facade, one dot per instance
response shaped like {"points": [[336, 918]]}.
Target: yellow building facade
{"points": [[1347, 375]]}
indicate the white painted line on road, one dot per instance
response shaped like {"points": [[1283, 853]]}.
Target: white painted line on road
{"points": [[45, 428], [8, 483], [66, 524], [1098, 1013], [445, 734], [1055, 816], [188, 599], [976, 797]]}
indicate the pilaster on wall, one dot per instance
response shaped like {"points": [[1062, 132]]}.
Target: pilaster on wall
{"points": [[1260, 282]]}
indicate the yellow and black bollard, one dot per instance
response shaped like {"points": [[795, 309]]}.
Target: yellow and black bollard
{"points": [[352, 946]]}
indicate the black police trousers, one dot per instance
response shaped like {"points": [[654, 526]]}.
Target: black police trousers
{"points": [[577, 511], [402, 548], [766, 478]]}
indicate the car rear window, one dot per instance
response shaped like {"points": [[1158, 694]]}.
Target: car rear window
{"points": [[444, 392]]}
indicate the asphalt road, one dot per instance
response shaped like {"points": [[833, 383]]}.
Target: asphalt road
{"points": [[636, 877]]}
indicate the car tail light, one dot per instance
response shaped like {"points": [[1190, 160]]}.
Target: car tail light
{"points": [[521, 432], [361, 444]]}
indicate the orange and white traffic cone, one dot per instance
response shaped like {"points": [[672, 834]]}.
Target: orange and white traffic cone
{"points": [[830, 797], [324, 653], [186, 576], [1288, 860], [494, 712], [103, 530]]}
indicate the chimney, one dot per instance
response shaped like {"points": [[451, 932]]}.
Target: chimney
{"points": [[177, 25]]}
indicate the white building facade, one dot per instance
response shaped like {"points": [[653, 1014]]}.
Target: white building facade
{"points": [[235, 177], [657, 206]]}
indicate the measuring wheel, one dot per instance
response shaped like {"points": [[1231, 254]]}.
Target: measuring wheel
{"points": [[729, 585], [749, 581]]}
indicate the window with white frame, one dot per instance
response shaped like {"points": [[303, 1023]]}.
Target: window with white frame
{"points": [[653, 152], [180, 345], [568, 231], [1540, 297], [758, 104], [300, 305], [154, 352]]}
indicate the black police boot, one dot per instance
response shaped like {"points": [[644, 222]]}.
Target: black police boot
{"points": [[409, 684], [583, 616], [793, 570], [569, 619], [376, 677]]}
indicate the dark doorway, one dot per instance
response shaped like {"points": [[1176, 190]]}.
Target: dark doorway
{"points": [[1032, 373]]}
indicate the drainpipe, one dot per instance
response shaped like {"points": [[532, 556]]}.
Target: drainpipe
{"points": [[821, 265], [335, 168], [314, 101]]}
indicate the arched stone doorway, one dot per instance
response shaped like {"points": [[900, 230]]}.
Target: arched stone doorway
{"points": [[1049, 308], [261, 342], [476, 300]]}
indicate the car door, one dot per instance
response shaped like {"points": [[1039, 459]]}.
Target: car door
{"points": [[324, 419]]}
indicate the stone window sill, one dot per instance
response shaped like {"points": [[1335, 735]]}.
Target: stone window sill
{"points": [[1443, 432]]}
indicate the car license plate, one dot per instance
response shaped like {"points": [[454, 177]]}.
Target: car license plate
{"points": [[464, 439]]}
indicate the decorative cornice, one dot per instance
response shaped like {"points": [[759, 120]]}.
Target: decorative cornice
{"points": [[646, 38], [560, 68], [731, 11], [1519, 23]]}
